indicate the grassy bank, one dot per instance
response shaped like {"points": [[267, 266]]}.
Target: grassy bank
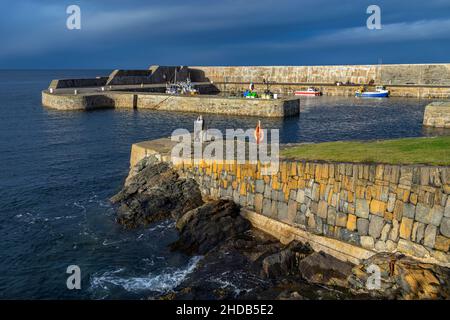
{"points": [[433, 151]]}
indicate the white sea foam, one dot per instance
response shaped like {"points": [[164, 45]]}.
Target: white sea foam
{"points": [[78, 205], [167, 224], [161, 283], [31, 217], [236, 281]]}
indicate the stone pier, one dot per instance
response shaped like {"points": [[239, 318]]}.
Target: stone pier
{"points": [[349, 210], [437, 115], [165, 102]]}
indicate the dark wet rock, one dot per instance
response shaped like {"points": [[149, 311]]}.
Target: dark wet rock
{"points": [[207, 226], [290, 295], [232, 270], [285, 261], [153, 192], [321, 268], [401, 277]]}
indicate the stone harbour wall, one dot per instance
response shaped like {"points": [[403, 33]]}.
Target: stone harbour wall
{"points": [[165, 102], [373, 206], [426, 92], [78, 83], [88, 101], [221, 105], [437, 114], [388, 74]]}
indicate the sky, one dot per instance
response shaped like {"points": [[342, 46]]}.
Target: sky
{"points": [[136, 34]]}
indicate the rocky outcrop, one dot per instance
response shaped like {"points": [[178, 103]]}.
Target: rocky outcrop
{"points": [[285, 261], [153, 192], [401, 277], [321, 268], [203, 228]]}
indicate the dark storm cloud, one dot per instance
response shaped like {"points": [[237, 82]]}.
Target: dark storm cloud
{"points": [[134, 34]]}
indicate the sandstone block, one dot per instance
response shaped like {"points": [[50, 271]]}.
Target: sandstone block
{"points": [[411, 248], [430, 236], [362, 208], [362, 226], [311, 222], [445, 227], [377, 207], [385, 232], [413, 198], [429, 215], [391, 202], [331, 216], [367, 242], [420, 232], [300, 218], [267, 207], [293, 195], [380, 246], [442, 243], [274, 209], [300, 196], [341, 219], [316, 192], [322, 209], [303, 208], [243, 201], [351, 222], [268, 191], [258, 203], [406, 175], [319, 225], [292, 210], [375, 226], [282, 211], [398, 210], [391, 245], [447, 208], [409, 210], [406, 228], [259, 186]]}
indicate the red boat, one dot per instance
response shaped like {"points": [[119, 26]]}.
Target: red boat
{"points": [[310, 92]]}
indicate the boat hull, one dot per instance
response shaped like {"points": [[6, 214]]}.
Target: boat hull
{"points": [[381, 94], [307, 93]]}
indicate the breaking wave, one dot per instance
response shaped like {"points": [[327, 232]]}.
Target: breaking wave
{"points": [[160, 283]]}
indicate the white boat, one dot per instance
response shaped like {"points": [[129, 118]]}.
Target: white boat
{"points": [[311, 91], [172, 89], [380, 92]]}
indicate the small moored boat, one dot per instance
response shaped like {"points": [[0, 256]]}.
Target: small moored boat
{"points": [[311, 91], [380, 92]]}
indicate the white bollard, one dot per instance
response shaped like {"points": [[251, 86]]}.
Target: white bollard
{"points": [[103, 88], [75, 91], [51, 90], [199, 127]]}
